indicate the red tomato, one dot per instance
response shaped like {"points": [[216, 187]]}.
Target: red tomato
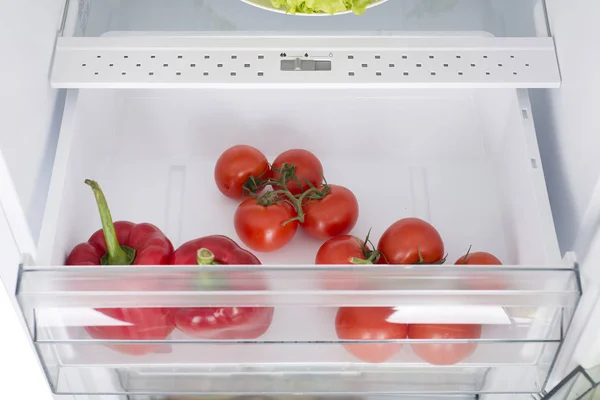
{"points": [[142, 324], [478, 258], [411, 241], [236, 165], [482, 281], [308, 167], [369, 323], [338, 251], [261, 227], [333, 215], [444, 353], [341, 250]]}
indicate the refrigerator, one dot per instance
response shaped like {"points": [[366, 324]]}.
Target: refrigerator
{"points": [[477, 116]]}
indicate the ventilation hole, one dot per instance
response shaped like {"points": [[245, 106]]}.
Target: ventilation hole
{"points": [[405, 73], [83, 65], [179, 56], [512, 56], [534, 163], [350, 73], [419, 65], [165, 65], [378, 57], [125, 56], [178, 73], [472, 65], [206, 57], [193, 65], [392, 65], [365, 65], [234, 57], [487, 73], [151, 73], [350, 57], [460, 73], [431, 57], [152, 56], [123, 73], [261, 57], [205, 73], [433, 73], [515, 73], [220, 65], [445, 65], [527, 65], [378, 73], [111, 65], [95, 73], [499, 65], [485, 57], [246, 65], [98, 56], [261, 74], [458, 57], [233, 74], [404, 57], [138, 65]]}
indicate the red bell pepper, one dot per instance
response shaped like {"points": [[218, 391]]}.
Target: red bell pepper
{"points": [[221, 322], [126, 243]]}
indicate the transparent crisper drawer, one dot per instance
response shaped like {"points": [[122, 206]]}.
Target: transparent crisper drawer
{"points": [[300, 351], [465, 160], [514, 18]]}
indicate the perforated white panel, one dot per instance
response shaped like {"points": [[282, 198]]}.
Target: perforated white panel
{"points": [[375, 62]]}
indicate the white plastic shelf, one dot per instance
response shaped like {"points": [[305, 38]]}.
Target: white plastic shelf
{"points": [[147, 61]]}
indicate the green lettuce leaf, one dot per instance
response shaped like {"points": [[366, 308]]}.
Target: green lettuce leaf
{"points": [[322, 6]]}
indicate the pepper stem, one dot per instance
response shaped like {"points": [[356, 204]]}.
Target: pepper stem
{"points": [[205, 257], [116, 254]]}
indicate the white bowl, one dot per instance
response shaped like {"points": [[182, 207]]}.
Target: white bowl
{"points": [[266, 5]]}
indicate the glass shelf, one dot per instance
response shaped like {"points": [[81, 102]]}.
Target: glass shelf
{"points": [[502, 18]]}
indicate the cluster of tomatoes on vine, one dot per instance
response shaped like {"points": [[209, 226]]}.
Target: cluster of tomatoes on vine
{"points": [[280, 197], [293, 192]]}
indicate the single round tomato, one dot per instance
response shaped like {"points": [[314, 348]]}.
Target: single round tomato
{"points": [[411, 241], [444, 353], [482, 281], [338, 251], [478, 258], [261, 228], [236, 165], [333, 215], [307, 167], [369, 323], [341, 250]]}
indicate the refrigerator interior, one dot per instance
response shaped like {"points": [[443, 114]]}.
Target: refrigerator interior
{"points": [[465, 160], [499, 164]]}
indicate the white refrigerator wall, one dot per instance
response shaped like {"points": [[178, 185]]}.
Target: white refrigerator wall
{"points": [[568, 126], [30, 113]]}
